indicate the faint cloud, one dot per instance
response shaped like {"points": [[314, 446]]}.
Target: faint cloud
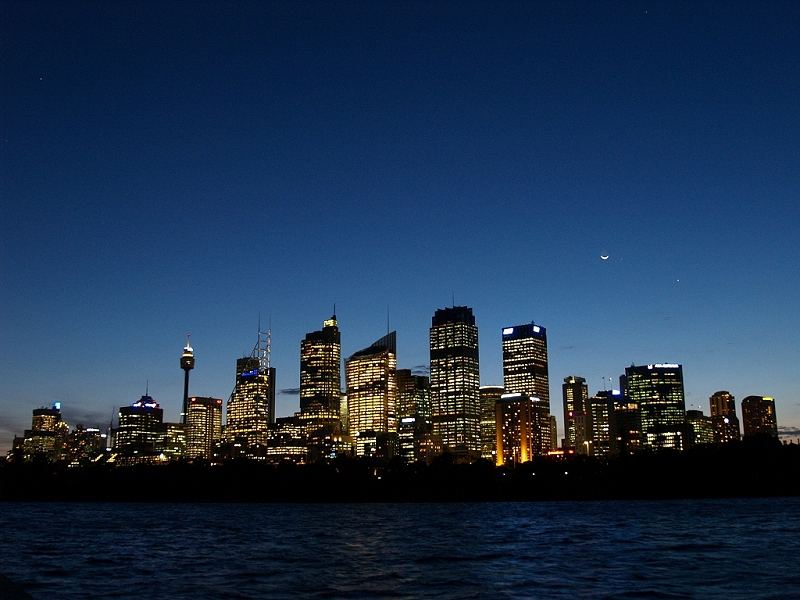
{"points": [[420, 370], [290, 391], [789, 431], [567, 348]]}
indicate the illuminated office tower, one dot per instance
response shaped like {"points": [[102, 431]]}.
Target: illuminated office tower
{"points": [[455, 380], [372, 392], [575, 393], [320, 371], [187, 364], [203, 426], [490, 395], [699, 430], [251, 406], [553, 433], [515, 425], [47, 436], [723, 417], [141, 427], [658, 391], [758, 416], [525, 370], [600, 436], [413, 414]]}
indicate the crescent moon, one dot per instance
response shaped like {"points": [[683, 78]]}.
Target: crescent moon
{"points": [[603, 257]]}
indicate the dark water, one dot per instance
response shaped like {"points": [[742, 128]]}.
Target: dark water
{"points": [[673, 549]]}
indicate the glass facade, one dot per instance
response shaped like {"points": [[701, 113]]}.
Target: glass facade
{"points": [[658, 391]]}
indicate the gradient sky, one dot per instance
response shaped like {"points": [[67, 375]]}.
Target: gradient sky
{"points": [[174, 167]]}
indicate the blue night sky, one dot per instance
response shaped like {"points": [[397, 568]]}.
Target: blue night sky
{"points": [[186, 167]]}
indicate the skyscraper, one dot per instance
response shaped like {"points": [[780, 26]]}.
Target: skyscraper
{"points": [[455, 380], [320, 371], [575, 393], [187, 364], [251, 406], [658, 390], [514, 422], [600, 436], [525, 370], [758, 416], [47, 436], [203, 426], [140, 429], [372, 390], [413, 414], [490, 395], [699, 429], [723, 417]]}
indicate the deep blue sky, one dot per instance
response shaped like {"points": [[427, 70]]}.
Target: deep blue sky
{"points": [[184, 167]]}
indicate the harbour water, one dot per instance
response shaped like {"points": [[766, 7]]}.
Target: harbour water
{"points": [[740, 548]]}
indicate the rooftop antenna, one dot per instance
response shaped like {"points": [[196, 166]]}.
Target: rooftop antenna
{"points": [[147, 388], [334, 310], [453, 298]]}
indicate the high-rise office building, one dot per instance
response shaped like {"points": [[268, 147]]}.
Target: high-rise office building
{"points": [[525, 371], [140, 429], [372, 391], [320, 389], [658, 391], [47, 436], [723, 417], [413, 415], [490, 395], [699, 429], [553, 433], [320, 371], [600, 436], [627, 424], [575, 393], [455, 380], [515, 425], [187, 364], [251, 406], [758, 416], [203, 426]]}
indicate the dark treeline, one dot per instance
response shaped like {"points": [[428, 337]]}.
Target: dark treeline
{"points": [[753, 468]]}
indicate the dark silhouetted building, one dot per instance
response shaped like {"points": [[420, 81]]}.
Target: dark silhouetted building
{"points": [[627, 424], [658, 391], [413, 415], [574, 393], [758, 416], [455, 380], [723, 417]]}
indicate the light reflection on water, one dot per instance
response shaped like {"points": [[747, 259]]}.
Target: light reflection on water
{"points": [[673, 549]]}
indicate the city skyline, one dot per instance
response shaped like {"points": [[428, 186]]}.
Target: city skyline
{"points": [[173, 169]]}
